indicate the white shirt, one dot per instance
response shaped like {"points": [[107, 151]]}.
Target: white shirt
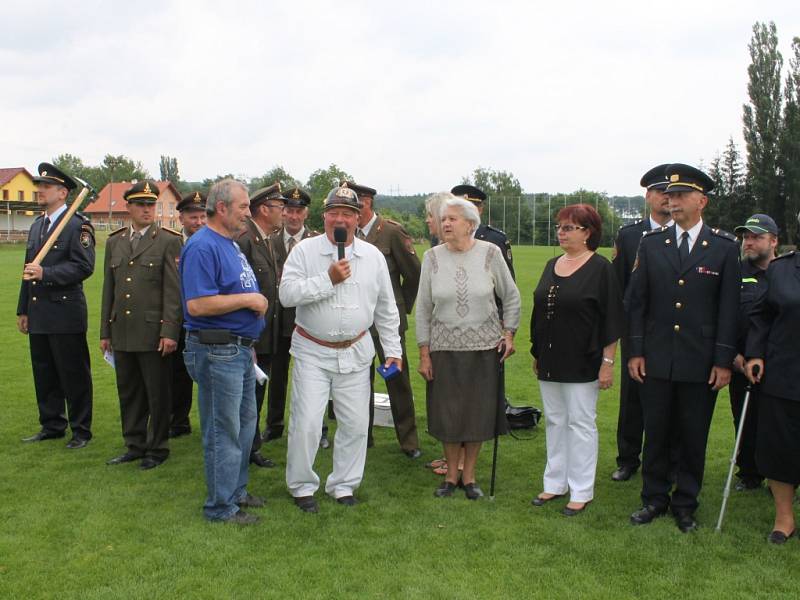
{"points": [[56, 214], [141, 233], [654, 225], [340, 312], [368, 227], [298, 237], [693, 233]]}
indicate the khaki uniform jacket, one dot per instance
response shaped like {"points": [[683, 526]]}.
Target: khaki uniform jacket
{"points": [[141, 290], [259, 254], [401, 258], [282, 323]]}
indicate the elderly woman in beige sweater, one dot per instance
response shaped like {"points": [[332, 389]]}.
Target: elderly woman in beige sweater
{"points": [[462, 340]]}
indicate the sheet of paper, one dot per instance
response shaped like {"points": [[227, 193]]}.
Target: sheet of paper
{"points": [[109, 358]]}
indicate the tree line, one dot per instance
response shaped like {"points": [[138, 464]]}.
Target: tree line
{"points": [[766, 179]]}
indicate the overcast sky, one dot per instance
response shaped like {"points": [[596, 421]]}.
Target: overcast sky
{"points": [[410, 95]]}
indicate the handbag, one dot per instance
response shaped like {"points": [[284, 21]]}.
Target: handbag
{"points": [[522, 417]]}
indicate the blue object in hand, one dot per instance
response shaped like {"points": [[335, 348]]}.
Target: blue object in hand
{"points": [[389, 373]]}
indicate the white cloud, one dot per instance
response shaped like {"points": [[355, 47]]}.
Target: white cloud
{"points": [[416, 95]]}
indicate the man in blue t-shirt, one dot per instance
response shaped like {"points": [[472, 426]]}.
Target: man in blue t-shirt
{"points": [[223, 313]]}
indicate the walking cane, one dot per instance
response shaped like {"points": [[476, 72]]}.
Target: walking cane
{"points": [[727, 491], [501, 398]]}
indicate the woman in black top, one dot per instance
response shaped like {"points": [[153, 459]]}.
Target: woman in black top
{"points": [[772, 346], [576, 322]]}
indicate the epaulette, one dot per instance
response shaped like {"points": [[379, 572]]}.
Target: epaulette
{"points": [[724, 235], [82, 216], [639, 222], [495, 229], [654, 231], [172, 231], [789, 254], [116, 231], [396, 224]]}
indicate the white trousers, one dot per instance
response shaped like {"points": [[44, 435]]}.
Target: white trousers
{"points": [[570, 411], [311, 388]]}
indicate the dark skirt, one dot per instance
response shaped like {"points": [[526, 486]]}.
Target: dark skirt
{"points": [[778, 446], [463, 398]]}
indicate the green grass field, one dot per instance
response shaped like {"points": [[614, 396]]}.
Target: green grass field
{"points": [[72, 527]]}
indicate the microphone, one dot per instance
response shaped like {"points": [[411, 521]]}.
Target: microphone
{"points": [[340, 236]]}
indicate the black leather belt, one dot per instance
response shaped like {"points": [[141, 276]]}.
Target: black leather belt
{"points": [[220, 336]]}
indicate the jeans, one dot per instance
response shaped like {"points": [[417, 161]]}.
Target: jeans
{"points": [[227, 406]]}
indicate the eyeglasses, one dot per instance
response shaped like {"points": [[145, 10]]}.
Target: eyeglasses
{"points": [[568, 228], [276, 206]]}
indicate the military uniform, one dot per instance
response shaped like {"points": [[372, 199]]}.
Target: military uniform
{"points": [[256, 249], [279, 327], [682, 322], [404, 268], [141, 305], [57, 320], [181, 381]]}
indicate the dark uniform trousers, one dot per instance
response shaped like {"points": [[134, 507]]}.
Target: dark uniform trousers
{"points": [[61, 370], [264, 362], [746, 459], [57, 315], [402, 399], [689, 406], [278, 384], [683, 316], [181, 392], [144, 384]]}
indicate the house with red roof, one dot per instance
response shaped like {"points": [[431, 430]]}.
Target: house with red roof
{"points": [[110, 210]]}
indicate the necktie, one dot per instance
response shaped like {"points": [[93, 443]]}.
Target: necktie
{"points": [[291, 244], [683, 249], [45, 227], [135, 237], [360, 234]]}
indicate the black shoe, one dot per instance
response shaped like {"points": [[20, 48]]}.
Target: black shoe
{"points": [[270, 435], [176, 432], [778, 537], [623, 473], [413, 454], [242, 518], [347, 500], [539, 501], [77, 443], [472, 491], [124, 458], [251, 502], [324, 443], [686, 522], [150, 462], [43, 435], [646, 514], [445, 490], [260, 461], [744, 485], [571, 512], [306, 504]]}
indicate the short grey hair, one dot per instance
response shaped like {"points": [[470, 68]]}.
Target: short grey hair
{"points": [[466, 208], [222, 191]]}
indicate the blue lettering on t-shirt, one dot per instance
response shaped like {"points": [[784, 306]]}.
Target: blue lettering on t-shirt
{"points": [[211, 265]]}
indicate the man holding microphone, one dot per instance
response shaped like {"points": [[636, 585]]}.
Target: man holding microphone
{"points": [[340, 287]]}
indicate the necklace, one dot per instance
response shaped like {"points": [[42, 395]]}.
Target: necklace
{"points": [[580, 256]]}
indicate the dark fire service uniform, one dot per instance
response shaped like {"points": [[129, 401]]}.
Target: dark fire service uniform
{"points": [[683, 322], [57, 321]]}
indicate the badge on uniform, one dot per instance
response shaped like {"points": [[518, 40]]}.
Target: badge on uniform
{"points": [[707, 271], [85, 238], [410, 246]]}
